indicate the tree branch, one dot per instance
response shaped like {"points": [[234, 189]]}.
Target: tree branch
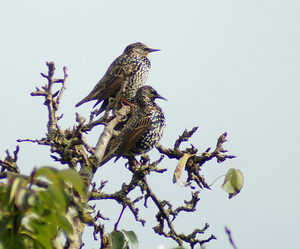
{"points": [[63, 88], [109, 131], [194, 163], [10, 163]]}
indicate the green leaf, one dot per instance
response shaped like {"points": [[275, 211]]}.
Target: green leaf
{"points": [[116, 240], [73, 177], [58, 177], [180, 167], [43, 234], [233, 183], [131, 238], [38, 245], [33, 200], [47, 201], [51, 174], [58, 197], [22, 197], [66, 225], [48, 172], [48, 217], [16, 187], [11, 241]]}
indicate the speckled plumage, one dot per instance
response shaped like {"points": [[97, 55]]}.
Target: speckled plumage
{"points": [[143, 130], [132, 66]]}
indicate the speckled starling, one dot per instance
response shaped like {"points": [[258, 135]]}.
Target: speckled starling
{"points": [[143, 130], [132, 66]]}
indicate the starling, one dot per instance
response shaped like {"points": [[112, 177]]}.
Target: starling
{"points": [[143, 130], [133, 66]]}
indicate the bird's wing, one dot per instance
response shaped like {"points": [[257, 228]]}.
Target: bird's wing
{"points": [[114, 77], [131, 134], [110, 82]]}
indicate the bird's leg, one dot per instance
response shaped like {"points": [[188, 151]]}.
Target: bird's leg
{"points": [[128, 103], [132, 163], [112, 104], [136, 161], [144, 159]]}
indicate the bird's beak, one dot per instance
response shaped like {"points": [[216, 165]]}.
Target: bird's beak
{"points": [[150, 50], [157, 96]]}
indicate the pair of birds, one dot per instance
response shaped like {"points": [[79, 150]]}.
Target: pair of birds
{"points": [[145, 127]]}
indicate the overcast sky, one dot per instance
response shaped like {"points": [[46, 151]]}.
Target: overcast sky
{"points": [[224, 66]]}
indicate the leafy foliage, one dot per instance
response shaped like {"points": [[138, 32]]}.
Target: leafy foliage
{"points": [[33, 216]]}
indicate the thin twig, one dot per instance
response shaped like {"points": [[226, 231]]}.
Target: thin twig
{"points": [[117, 223], [37, 182], [230, 238], [65, 69], [184, 137]]}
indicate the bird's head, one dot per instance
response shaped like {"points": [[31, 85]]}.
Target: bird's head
{"points": [[139, 48], [147, 94]]}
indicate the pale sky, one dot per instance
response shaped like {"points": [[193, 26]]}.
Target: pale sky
{"points": [[224, 66]]}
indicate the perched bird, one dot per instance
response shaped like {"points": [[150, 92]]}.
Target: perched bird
{"points": [[143, 130], [132, 66]]}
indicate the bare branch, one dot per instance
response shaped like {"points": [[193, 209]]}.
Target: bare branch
{"points": [[10, 163], [40, 142], [184, 137], [190, 205], [109, 131], [63, 81], [194, 162], [38, 93]]}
